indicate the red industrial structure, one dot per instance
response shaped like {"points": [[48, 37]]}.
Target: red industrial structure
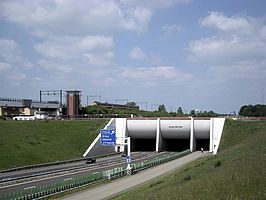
{"points": [[73, 102]]}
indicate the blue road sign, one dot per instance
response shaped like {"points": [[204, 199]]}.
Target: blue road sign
{"points": [[108, 137], [128, 158]]}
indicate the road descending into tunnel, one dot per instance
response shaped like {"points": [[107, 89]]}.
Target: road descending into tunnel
{"points": [[121, 185]]}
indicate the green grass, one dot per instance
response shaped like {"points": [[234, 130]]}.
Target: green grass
{"points": [[33, 142], [238, 171]]}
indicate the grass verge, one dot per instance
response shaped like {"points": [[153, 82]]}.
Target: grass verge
{"points": [[236, 172], [33, 142]]}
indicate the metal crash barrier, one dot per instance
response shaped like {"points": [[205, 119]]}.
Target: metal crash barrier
{"points": [[63, 186]]}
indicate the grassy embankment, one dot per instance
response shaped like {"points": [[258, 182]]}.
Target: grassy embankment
{"points": [[238, 171], [32, 142]]}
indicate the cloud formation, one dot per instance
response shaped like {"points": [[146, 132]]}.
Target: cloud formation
{"points": [[107, 45], [239, 46], [137, 54], [12, 63], [53, 18], [155, 75], [171, 30]]}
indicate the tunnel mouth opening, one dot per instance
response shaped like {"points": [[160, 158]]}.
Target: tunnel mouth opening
{"points": [[176, 144], [203, 143], [143, 144]]}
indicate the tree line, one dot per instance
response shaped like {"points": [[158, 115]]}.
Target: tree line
{"points": [[253, 111], [97, 111]]}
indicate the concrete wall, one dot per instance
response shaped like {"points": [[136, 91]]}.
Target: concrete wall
{"points": [[217, 131], [160, 130], [96, 148]]}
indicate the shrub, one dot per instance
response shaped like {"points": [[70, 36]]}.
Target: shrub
{"points": [[187, 178], [217, 164]]}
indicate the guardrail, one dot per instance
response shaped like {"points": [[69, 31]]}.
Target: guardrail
{"points": [[70, 184], [42, 165], [52, 163], [144, 165]]}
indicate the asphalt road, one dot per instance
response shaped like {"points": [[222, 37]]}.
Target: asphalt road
{"points": [[100, 165], [121, 185]]}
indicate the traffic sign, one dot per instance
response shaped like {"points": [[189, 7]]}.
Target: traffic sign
{"points": [[108, 137], [128, 159]]}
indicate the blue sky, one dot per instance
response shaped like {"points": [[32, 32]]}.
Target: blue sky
{"points": [[205, 54]]}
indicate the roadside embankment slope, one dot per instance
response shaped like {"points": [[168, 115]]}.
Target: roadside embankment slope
{"points": [[236, 172], [33, 142]]}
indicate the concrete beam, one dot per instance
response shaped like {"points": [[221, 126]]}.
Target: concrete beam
{"points": [[192, 136], [159, 140]]}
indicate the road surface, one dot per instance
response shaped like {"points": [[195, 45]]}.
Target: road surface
{"points": [[121, 185], [61, 173]]}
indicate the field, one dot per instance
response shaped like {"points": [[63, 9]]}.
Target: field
{"points": [[237, 172], [32, 142]]}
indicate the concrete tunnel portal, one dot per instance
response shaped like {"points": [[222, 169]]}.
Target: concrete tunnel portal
{"points": [[162, 134], [171, 135]]}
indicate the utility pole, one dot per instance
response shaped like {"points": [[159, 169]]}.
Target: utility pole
{"points": [[262, 95], [52, 92], [153, 105], [93, 96], [146, 103], [117, 100]]}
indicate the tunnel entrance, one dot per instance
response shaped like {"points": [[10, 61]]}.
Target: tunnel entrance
{"points": [[203, 143], [176, 144], [143, 144]]}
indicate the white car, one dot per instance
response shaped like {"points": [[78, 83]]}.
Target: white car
{"points": [[41, 116], [25, 117]]}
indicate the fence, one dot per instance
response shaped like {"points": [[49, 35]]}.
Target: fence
{"points": [[69, 184], [147, 164]]}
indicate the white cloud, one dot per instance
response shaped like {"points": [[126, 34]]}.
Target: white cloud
{"points": [[226, 49], [4, 66], [154, 4], [12, 62], [230, 45], [137, 19], [71, 46], [76, 38], [9, 51], [18, 77], [55, 66], [104, 59], [68, 53], [137, 54], [220, 21], [171, 30], [48, 18], [155, 75], [233, 58]]}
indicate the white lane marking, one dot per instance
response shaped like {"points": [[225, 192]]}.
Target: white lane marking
{"points": [[68, 179], [95, 173], [31, 187], [58, 176]]}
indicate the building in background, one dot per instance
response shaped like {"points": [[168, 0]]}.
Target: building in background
{"points": [[10, 107], [73, 103]]}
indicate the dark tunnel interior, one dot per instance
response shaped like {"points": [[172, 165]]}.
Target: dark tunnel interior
{"points": [[176, 144], [168, 144], [143, 145], [203, 143]]}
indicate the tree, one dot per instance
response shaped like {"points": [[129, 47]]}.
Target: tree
{"points": [[131, 104], [253, 111], [161, 108], [192, 113], [179, 110]]}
